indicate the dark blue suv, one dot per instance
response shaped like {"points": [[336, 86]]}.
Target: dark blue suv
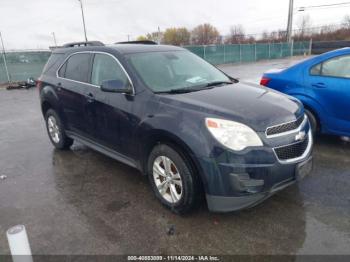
{"points": [[191, 128]]}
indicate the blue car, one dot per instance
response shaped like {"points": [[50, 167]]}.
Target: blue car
{"points": [[322, 84]]}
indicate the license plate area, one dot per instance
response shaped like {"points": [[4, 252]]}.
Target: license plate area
{"points": [[303, 169]]}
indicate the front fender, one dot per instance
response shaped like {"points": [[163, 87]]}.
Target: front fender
{"points": [[179, 126]]}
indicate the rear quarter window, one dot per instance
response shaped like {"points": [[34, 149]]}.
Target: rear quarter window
{"points": [[316, 69], [53, 62]]}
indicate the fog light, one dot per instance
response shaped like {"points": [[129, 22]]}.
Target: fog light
{"points": [[244, 183]]}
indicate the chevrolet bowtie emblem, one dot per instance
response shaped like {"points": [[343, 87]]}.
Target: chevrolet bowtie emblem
{"points": [[300, 136]]}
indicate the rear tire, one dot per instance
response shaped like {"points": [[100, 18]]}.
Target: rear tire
{"points": [[56, 130], [173, 179], [313, 121]]}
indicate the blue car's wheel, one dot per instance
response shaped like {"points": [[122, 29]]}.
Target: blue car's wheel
{"points": [[313, 121]]}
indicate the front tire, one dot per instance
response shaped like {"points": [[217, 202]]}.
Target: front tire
{"points": [[173, 180], [56, 131]]}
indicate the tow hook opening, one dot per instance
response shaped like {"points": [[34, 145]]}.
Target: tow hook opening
{"points": [[244, 183]]}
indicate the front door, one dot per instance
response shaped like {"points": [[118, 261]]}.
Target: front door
{"points": [[112, 110]]}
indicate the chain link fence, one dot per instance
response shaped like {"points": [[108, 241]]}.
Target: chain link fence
{"points": [[24, 64]]}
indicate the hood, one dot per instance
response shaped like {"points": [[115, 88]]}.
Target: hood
{"points": [[250, 104]]}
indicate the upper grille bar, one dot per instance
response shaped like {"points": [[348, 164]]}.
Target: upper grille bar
{"points": [[286, 128]]}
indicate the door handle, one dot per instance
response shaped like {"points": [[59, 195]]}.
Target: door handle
{"points": [[319, 85], [90, 97]]}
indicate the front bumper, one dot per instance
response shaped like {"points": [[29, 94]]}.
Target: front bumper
{"points": [[234, 203], [235, 182]]}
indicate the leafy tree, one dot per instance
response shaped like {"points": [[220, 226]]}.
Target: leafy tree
{"points": [[141, 38], [205, 34], [177, 36]]}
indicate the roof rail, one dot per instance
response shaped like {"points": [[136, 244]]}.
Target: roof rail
{"points": [[141, 42], [88, 43]]}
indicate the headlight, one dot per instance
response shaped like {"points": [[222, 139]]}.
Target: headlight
{"points": [[233, 135]]}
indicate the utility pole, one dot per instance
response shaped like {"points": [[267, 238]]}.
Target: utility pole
{"points": [[82, 14], [290, 21], [54, 38], [4, 57], [128, 38], [158, 35]]}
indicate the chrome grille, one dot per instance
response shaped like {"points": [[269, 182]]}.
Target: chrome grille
{"points": [[282, 128], [292, 151]]}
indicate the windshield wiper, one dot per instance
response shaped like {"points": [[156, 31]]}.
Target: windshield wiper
{"points": [[195, 88], [218, 83], [179, 91]]}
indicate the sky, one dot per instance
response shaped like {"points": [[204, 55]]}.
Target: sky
{"points": [[28, 24]]}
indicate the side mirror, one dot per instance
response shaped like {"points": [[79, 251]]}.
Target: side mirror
{"points": [[115, 86]]}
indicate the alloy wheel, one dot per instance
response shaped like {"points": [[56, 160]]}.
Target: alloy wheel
{"points": [[167, 179], [54, 130]]}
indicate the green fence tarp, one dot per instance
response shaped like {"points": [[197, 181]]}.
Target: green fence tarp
{"points": [[224, 54], [22, 65]]}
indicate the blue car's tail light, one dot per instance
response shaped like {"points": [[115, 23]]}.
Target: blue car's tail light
{"points": [[265, 81]]}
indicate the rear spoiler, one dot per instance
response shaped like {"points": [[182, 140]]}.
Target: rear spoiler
{"points": [[141, 42]]}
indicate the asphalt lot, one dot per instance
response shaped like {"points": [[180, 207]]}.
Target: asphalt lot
{"points": [[82, 202]]}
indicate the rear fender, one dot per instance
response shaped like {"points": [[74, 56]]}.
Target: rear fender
{"points": [[49, 98]]}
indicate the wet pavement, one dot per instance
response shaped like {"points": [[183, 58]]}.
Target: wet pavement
{"points": [[82, 202]]}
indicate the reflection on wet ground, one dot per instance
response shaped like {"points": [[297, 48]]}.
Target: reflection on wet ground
{"points": [[82, 202]]}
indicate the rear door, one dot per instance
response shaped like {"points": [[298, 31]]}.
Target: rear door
{"points": [[72, 89], [329, 84]]}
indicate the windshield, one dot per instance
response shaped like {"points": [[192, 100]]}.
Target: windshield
{"points": [[175, 71]]}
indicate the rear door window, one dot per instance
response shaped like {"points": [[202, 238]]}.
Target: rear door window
{"points": [[62, 70], [77, 67]]}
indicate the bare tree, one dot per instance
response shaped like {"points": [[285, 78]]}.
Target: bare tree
{"points": [[346, 21], [304, 26], [265, 37], [236, 36]]}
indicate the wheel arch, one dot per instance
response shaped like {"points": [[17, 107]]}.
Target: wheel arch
{"points": [[49, 100], [46, 105], [164, 137]]}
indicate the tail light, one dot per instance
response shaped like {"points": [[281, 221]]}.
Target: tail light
{"points": [[265, 81], [39, 83]]}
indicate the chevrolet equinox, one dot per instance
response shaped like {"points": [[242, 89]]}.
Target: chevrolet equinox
{"points": [[192, 129]]}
